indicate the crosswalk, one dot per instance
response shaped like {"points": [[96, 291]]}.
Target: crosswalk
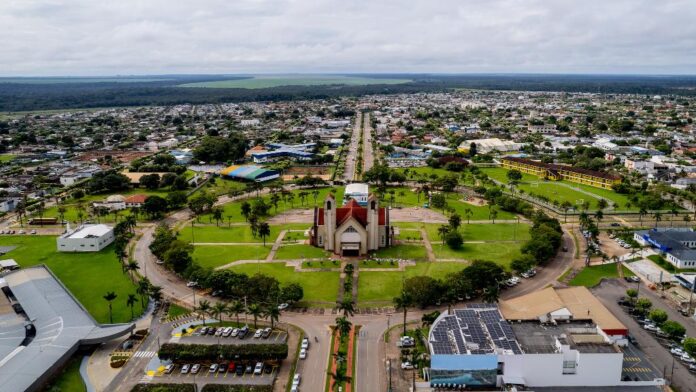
{"points": [[144, 354], [637, 370], [632, 359]]}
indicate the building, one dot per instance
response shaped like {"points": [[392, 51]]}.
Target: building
{"points": [[485, 146], [351, 230], [300, 152], [677, 245], [359, 192], [135, 201], [543, 129], [554, 338], [560, 172], [42, 326], [111, 203], [86, 238], [249, 173]]}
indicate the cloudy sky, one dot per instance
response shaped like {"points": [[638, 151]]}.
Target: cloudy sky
{"points": [[108, 37]]}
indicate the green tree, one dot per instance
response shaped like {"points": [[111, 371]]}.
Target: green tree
{"points": [[273, 314], [402, 302], [455, 221], [234, 309], [690, 346], [263, 230], [110, 296], [217, 310], [658, 316], [256, 311], [143, 289], [632, 294], [672, 328], [246, 210], [643, 305], [131, 301], [343, 325], [347, 306], [203, 309]]}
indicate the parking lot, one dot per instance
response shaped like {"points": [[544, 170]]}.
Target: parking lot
{"points": [[636, 366], [275, 336], [204, 376]]}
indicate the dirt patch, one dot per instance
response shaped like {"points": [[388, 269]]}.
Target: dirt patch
{"points": [[474, 201], [416, 214]]}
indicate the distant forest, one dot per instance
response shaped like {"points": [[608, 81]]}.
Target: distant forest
{"points": [[30, 94]]}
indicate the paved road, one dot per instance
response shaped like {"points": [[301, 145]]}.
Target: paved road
{"points": [[352, 155], [609, 292], [368, 153]]}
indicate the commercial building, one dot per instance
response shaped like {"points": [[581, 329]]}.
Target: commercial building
{"points": [[561, 172], [300, 152], [250, 173], [485, 146], [42, 325], [678, 245], [554, 338], [86, 238], [351, 230], [358, 192]]}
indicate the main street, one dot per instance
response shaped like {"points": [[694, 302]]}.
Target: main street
{"points": [[352, 154], [368, 152]]}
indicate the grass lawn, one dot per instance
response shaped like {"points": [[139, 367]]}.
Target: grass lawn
{"points": [[318, 286], [383, 286], [225, 233], [232, 211], [211, 256], [555, 191], [176, 310], [502, 253], [410, 252], [591, 276], [299, 251], [485, 232], [413, 173], [87, 275], [69, 380], [367, 264], [7, 157], [222, 186]]}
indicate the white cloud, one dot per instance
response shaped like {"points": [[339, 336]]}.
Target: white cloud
{"points": [[87, 37]]}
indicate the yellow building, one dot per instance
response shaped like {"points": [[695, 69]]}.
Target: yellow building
{"points": [[561, 172]]}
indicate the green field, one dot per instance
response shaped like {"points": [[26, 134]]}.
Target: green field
{"points": [[560, 190], [63, 80], [593, 275], [7, 157], [87, 275], [485, 232], [268, 81], [212, 256], [318, 286], [226, 233], [69, 379], [502, 252], [383, 286], [405, 251], [299, 251]]}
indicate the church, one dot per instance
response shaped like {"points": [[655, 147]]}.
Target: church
{"points": [[351, 230]]}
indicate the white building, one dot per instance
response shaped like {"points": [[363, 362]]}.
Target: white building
{"points": [[86, 238], [553, 338], [484, 146], [359, 192], [678, 246]]}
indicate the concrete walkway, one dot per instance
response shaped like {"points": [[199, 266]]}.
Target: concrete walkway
{"points": [[428, 245], [276, 245]]}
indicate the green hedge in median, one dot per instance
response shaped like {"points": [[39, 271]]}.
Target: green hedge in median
{"points": [[236, 388], [163, 388], [192, 352]]}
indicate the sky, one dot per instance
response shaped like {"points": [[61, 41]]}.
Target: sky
{"points": [[141, 37]]}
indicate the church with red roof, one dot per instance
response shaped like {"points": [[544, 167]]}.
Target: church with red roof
{"points": [[351, 229]]}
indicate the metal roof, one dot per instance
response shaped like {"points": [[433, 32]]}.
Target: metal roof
{"points": [[61, 324], [86, 231]]}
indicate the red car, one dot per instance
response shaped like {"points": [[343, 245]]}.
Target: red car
{"points": [[231, 367]]}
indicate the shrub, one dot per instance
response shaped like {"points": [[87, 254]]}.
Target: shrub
{"points": [[163, 388], [117, 363], [193, 352], [236, 388]]}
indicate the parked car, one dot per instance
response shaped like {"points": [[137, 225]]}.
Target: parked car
{"points": [[185, 369], [406, 341], [222, 368], [296, 379], [249, 369], [235, 332], [305, 343], [192, 284], [258, 369], [231, 367], [267, 332], [212, 331], [677, 351], [258, 333], [227, 332], [283, 306], [213, 368], [633, 279], [220, 331], [650, 327], [216, 293], [692, 368], [686, 358], [243, 332], [303, 353], [33, 232], [204, 330], [195, 368], [267, 368], [295, 388], [239, 370], [406, 365], [169, 368]]}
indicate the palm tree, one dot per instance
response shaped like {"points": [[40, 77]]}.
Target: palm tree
{"points": [[491, 294], [203, 308], [263, 230], [642, 212], [156, 293], [494, 214], [343, 325], [234, 309], [131, 267], [61, 212], [599, 215], [686, 219], [131, 301], [256, 311], [347, 306], [442, 231], [109, 297], [468, 214], [402, 302], [217, 215], [566, 206], [273, 314], [339, 376], [674, 213], [130, 222], [143, 289], [658, 217], [315, 194], [218, 310]]}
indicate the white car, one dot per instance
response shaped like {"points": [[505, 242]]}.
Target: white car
{"points": [[686, 358], [185, 369], [258, 333], [191, 284], [305, 343], [296, 379], [650, 327], [677, 351], [283, 306], [406, 365], [303, 353], [259, 368]]}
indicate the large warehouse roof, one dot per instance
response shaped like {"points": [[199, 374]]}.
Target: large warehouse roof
{"points": [[250, 173], [61, 324]]}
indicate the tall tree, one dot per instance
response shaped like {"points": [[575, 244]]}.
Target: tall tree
{"points": [[263, 230], [256, 311], [131, 301], [234, 309], [402, 302], [203, 308], [110, 296]]}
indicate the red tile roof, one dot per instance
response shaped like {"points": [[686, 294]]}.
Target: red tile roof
{"points": [[354, 210], [136, 199]]}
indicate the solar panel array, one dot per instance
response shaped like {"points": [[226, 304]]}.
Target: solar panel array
{"points": [[476, 329]]}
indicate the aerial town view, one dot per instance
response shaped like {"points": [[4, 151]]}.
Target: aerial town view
{"points": [[262, 196]]}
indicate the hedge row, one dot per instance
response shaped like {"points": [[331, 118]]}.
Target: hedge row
{"points": [[192, 352], [236, 388], [163, 388]]}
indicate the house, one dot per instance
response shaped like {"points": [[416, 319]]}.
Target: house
{"points": [[351, 230], [86, 238], [136, 201], [678, 245]]}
